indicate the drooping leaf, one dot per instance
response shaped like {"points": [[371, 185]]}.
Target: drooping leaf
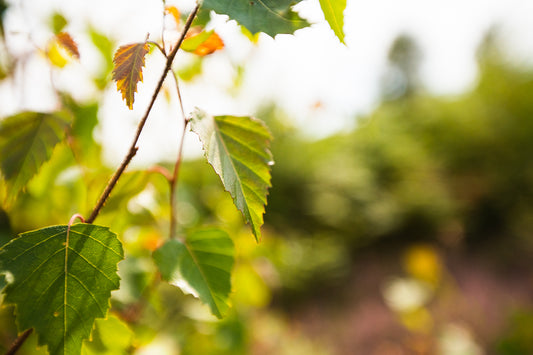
{"points": [[129, 61], [269, 16], [334, 12], [60, 281], [201, 266], [238, 149], [203, 43], [26, 142], [66, 41]]}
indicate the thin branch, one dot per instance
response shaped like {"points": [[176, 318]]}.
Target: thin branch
{"points": [[174, 180], [161, 48], [18, 342], [133, 148]]}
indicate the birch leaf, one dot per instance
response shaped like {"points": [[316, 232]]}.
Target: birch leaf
{"points": [[334, 13], [129, 61], [238, 150], [200, 266], [60, 281]]}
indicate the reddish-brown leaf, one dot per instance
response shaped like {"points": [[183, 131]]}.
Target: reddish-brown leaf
{"points": [[66, 41], [129, 61]]}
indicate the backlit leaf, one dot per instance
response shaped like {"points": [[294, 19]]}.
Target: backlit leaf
{"points": [[203, 43], [26, 142], [201, 266], [129, 61], [61, 281], [238, 149], [334, 13], [269, 16]]}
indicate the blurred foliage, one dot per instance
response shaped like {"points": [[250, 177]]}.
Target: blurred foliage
{"points": [[418, 175]]}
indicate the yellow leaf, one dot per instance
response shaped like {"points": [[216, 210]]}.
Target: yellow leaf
{"points": [[129, 61], [172, 10]]}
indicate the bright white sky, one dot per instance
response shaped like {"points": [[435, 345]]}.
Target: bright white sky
{"points": [[321, 83]]}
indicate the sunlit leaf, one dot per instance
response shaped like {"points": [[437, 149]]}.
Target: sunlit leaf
{"points": [[269, 16], [200, 266], [60, 281], [203, 43], [129, 61], [26, 142], [238, 149], [334, 13]]}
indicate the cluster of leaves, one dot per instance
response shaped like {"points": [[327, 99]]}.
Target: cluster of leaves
{"points": [[60, 278]]}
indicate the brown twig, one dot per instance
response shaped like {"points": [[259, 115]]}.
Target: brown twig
{"points": [[18, 342], [133, 148]]}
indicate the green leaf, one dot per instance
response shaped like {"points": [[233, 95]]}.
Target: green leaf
{"points": [[334, 13], [201, 266], [269, 16], [238, 149], [58, 22], [26, 142], [61, 281]]}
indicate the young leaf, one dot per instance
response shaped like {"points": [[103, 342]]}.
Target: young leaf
{"points": [[60, 281], [201, 266], [129, 61], [238, 149], [334, 13], [269, 16], [203, 43], [26, 142]]}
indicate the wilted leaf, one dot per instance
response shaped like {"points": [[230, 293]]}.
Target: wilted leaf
{"points": [[201, 266], [129, 61], [203, 43], [269, 16], [61, 281], [26, 142], [238, 149], [172, 10], [334, 13]]}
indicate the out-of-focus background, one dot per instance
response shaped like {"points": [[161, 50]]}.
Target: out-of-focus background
{"points": [[400, 220]]}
